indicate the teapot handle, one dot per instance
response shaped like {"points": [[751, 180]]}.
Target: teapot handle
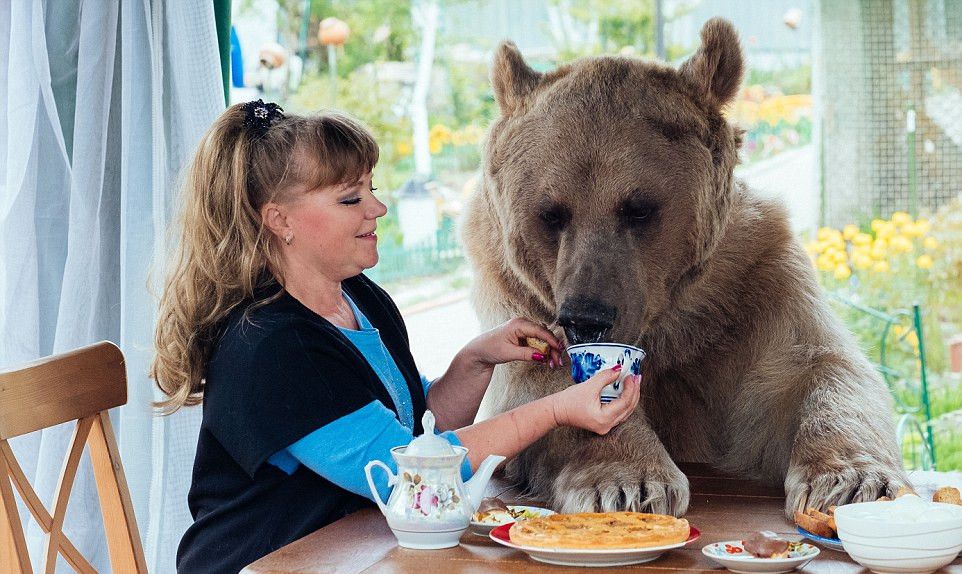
{"points": [[391, 479]]}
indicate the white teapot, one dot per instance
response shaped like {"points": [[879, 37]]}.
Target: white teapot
{"points": [[430, 507]]}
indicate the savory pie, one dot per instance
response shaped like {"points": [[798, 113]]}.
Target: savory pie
{"points": [[600, 530]]}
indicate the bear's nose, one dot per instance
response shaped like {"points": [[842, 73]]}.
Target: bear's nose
{"points": [[585, 319]]}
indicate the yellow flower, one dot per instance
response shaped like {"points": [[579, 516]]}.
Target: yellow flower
{"points": [[862, 239], [879, 249], [901, 218], [924, 261], [901, 244], [404, 148], [435, 145], [813, 247], [913, 230], [880, 267], [912, 338], [849, 232], [862, 260], [827, 233], [825, 262], [930, 243], [877, 223], [885, 230], [922, 226], [441, 132], [898, 329], [836, 255], [842, 272]]}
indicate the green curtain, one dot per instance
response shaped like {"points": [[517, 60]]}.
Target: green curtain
{"points": [[222, 17]]}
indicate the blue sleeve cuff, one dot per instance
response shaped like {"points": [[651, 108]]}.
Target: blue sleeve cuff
{"points": [[339, 450], [285, 461]]}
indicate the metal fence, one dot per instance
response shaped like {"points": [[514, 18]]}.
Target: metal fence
{"points": [[907, 380], [436, 257], [888, 92]]}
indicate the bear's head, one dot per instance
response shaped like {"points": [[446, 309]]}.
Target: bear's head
{"points": [[610, 180]]}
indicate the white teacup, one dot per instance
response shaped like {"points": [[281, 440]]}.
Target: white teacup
{"points": [[589, 358]]}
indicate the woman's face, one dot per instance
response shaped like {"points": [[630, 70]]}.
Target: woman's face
{"points": [[333, 228]]}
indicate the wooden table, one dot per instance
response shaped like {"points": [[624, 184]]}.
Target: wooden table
{"points": [[721, 508]]}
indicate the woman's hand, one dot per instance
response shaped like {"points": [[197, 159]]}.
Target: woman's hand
{"points": [[580, 405], [507, 343]]}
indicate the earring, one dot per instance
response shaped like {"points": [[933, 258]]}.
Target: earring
{"points": [[288, 238]]}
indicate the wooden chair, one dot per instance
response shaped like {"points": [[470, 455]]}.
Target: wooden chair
{"points": [[80, 385]]}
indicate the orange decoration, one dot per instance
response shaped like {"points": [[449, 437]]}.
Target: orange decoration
{"points": [[333, 32]]}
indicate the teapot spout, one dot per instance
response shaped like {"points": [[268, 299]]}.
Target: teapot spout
{"points": [[477, 484]]}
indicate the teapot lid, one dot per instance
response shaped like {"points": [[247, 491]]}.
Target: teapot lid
{"points": [[428, 444]]}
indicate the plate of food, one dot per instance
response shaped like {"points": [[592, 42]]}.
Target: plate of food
{"points": [[596, 538], [832, 543], [493, 512], [762, 552], [819, 527]]}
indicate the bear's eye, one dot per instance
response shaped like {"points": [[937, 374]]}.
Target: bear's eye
{"points": [[638, 213], [554, 216]]}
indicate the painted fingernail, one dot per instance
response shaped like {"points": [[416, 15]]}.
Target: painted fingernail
{"points": [[551, 363], [537, 356], [616, 368]]}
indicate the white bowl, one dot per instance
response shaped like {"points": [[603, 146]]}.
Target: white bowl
{"points": [[887, 545]]}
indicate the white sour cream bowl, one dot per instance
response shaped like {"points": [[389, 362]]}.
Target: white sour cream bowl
{"points": [[903, 535]]}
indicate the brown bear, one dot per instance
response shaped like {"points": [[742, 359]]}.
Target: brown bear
{"points": [[608, 210]]}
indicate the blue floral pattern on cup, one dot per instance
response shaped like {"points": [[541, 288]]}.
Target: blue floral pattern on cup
{"points": [[589, 358]]}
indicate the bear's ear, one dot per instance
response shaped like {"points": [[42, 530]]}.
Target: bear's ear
{"points": [[715, 70], [512, 78]]}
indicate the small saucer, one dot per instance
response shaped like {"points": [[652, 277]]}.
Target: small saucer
{"points": [[732, 555], [485, 528]]}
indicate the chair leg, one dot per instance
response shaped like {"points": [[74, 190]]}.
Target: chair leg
{"points": [[13, 546], [123, 538]]}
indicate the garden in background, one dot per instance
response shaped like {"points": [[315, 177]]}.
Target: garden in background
{"points": [[876, 272]]}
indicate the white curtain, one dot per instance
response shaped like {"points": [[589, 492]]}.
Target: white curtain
{"points": [[101, 105]]}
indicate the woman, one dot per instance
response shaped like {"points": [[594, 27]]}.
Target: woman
{"points": [[302, 362]]}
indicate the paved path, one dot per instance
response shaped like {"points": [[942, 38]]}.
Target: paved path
{"points": [[438, 333], [791, 177]]}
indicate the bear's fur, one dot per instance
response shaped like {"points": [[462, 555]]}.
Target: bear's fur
{"points": [[608, 209]]}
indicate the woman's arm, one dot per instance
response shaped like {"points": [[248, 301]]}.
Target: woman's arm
{"points": [[339, 450], [454, 398], [579, 406]]}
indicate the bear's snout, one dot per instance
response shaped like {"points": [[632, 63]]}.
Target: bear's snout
{"points": [[586, 319]]}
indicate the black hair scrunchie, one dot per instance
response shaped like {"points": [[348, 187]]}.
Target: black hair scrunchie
{"points": [[259, 115]]}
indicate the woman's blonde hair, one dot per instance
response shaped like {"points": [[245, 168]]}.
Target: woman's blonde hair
{"points": [[224, 251]]}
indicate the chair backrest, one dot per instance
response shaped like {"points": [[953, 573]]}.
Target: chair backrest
{"points": [[76, 386]]}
